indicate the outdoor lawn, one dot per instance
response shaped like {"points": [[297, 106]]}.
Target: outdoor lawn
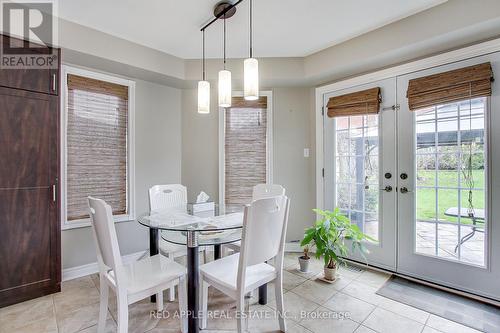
{"points": [[426, 197]]}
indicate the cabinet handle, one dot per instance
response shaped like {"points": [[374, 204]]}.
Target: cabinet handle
{"points": [[54, 82], [54, 193]]}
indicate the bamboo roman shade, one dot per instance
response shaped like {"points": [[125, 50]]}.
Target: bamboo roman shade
{"points": [[96, 145], [356, 103], [459, 84], [245, 150]]}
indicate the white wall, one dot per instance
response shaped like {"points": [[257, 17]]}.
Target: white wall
{"points": [[158, 160], [292, 133]]}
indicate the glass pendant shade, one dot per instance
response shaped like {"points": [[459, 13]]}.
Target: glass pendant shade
{"points": [[251, 79], [224, 88], [203, 97]]}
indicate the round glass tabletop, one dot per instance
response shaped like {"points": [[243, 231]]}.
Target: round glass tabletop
{"points": [[180, 221], [205, 238]]}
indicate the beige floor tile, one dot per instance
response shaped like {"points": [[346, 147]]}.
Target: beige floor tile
{"points": [[45, 325], [323, 321], [110, 328], [448, 326], [294, 305], [315, 291], [22, 314], [428, 329], [385, 321], [358, 310], [297, 328], [373, 278], [364, 329], [77, 320], [76, 294], [363, 292], [404, 310], [350, 273], [340, 283], [291, 281]]}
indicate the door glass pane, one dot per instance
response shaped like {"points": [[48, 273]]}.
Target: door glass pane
{"points": [[357, 171], [450, 177]]}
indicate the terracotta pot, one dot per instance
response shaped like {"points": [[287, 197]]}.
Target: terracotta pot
{"points": [[330, 273], [304, 264]]}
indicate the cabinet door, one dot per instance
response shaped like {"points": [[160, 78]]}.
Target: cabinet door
{"points": [[38, 80], [29, 213]]}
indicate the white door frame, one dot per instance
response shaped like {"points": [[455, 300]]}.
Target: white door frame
{"points": [[437, 60], [222, 152]]}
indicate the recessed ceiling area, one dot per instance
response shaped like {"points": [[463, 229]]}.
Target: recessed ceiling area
{"points": [[282, 28]]}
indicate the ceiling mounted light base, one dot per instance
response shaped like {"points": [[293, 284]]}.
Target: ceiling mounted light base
{"points": [[221, 7]]}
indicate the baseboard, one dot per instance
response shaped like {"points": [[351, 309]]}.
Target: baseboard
{"points": [[293, 247], [92, 268]]}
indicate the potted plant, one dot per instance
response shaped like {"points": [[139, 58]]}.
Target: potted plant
{"points": [[329, 235], [304, 260]]}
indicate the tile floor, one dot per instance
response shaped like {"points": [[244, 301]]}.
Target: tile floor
{"points": [[348, 305]]}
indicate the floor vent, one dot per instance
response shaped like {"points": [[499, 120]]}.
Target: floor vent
{"points": [[353, 268]]}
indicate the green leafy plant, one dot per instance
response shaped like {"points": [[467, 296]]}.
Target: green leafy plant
{"points": [[329, 235]]}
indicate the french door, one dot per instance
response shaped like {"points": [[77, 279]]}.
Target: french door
{"points": [[448, 158], [422, 183], [360, 160]]}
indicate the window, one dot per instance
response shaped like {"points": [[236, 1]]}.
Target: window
{"points": [[451, 193], [246, 151], [98, 145], [357, 171]]}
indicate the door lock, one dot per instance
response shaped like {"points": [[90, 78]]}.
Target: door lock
{"points": [[388, 175], [388, 188], [403, 176], [404, 190]]}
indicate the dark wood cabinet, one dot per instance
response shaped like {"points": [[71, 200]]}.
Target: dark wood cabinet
{"points": [[37, 80], [30, 246]]}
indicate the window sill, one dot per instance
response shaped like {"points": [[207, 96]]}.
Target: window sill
{"points": [[85, 223]]}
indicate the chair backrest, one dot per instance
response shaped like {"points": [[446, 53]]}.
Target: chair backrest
{"points": [[264, 230], [103, 227], [262, 191], [172, 196]]}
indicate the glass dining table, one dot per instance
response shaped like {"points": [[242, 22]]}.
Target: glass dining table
{"points": [[192, 231]]}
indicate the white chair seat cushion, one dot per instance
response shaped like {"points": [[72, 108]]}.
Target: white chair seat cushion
{"points": [[224, 272], [151, 272]]}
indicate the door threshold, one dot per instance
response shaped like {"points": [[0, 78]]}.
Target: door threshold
{"points": [[427, 283]]}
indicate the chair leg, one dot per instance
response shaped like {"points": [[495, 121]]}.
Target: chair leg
{"points": [[278, 291], [240, 313], [171, 290], [205, 256], [204, 304], [183, 304], [122, 313], [103, 307], [159, 301]]}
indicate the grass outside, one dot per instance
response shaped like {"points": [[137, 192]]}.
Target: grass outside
{"points": [[446, 198]]}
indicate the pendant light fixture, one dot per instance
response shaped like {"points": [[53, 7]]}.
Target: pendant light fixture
{"points": [[224, 77], [251, 70], [203, 85]]}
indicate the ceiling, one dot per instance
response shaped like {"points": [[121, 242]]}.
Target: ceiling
{"points": [[282, 28]]}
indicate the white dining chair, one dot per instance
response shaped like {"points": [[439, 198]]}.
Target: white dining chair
{"points": [[170, 197], [133, 282], [259, 191], [263, 238]]}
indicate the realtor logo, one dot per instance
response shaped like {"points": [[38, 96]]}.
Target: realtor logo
{"points": [[29, 30]]}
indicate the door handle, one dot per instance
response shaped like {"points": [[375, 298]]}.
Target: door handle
{"points": [[404, 190], [54, 82], [388, 188], [54, 193]]}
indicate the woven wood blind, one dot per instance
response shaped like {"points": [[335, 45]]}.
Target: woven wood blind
{"points": [[356, 103], [245, 150], [96, 145], [451, 86]]}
